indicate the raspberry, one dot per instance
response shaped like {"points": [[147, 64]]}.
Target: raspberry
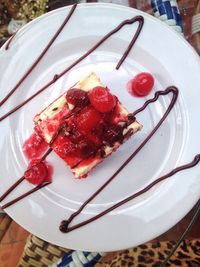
{"points": [[77, 97], [101, 99], [142, 84], [87, 119], [37, 172]]}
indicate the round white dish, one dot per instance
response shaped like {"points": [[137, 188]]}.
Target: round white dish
{"points": [[158, 50]]}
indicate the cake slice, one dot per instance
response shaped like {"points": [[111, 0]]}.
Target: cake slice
{"points": [[94, 124]]}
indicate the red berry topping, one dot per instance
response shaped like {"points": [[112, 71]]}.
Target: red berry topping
{"points": [[34, 147], [113, 134], [76, 137], [101, 99], [77, 97], [87, 149], [36, 173], [94, 138], [142, 84], [87, 119]]}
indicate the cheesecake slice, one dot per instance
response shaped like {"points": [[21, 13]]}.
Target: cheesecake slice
{"points": [[93, 124]]}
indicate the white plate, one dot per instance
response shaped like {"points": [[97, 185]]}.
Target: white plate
{"points": [[158, 50]]}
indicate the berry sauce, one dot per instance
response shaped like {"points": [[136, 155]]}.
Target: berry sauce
{"points": [[34, 146], [98, 122], [38, 172]]}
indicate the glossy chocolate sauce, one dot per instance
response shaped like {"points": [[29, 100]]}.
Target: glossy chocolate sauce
{"points": [[10, 41], [36, 61], [138, 19], [171, 89], [12, 188], [38, 187], [23, 178], [64, 224]]}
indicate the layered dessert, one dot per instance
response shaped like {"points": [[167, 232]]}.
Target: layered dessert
{"points": [[90, 123]]}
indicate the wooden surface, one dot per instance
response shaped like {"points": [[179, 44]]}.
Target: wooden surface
{"points": [[12, 242]]}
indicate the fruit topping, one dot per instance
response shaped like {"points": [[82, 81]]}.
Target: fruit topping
{"points": [[67, 149], [77, 97], [38, 172], [34, 146], [114, 133], [87, 119], [101, 99], [87, 149], [142, 84]]}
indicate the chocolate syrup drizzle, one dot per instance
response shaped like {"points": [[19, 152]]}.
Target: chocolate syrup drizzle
{"points": [[38, 187], [27, 73], [12, 188], [138, 19], [10, 41], [172, 89], [41, 159], [64, 227]]}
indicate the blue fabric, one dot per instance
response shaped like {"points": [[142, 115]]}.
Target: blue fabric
{"points": [[66, 259], [86, 253], [93, 261], [165, 8], [161, 7], [168, 10], [177, 16], [154, 5]]}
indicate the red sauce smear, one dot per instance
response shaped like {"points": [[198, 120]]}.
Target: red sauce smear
{"points": [[40, 160], [38, 172], [34, 146]]}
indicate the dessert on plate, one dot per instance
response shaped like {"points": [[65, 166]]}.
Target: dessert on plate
{"points": [[90, 123]]}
